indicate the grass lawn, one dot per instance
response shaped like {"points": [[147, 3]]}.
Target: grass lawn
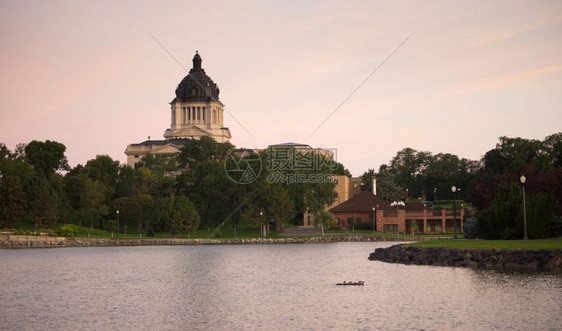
{"points": [[492, 244]]}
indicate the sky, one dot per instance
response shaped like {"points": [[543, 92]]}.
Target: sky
{"points": [[367, 78]]}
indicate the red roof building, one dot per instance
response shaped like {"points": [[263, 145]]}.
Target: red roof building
{"points": [[408, 218]]}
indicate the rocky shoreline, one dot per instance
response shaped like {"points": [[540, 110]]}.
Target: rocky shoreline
{"points": [[14, 241], [473, 258]]}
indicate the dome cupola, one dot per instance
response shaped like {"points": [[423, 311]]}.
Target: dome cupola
{"points": [[197, 86]]}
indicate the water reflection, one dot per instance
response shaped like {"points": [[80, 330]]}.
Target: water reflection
{"points": [[262, 287]]}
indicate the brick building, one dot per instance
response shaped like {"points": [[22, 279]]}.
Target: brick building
{"points": [[400, 219]]}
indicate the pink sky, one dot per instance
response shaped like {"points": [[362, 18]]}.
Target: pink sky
{"points": [[89, 75]]}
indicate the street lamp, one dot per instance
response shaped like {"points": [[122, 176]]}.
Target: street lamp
{"points": [[454, 189], [261, 223], [117, 223], [522, 179]]}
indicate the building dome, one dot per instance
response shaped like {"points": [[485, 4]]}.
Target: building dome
{"points": [[197, 86]]}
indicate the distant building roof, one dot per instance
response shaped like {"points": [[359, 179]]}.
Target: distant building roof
{"points": [[362, 202], [416, 206], [291, 144], [178, 142]]}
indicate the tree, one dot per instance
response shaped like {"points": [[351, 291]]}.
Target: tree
{"points": [[502, 219], [541, 208], [161, 164], [177, 214], [10, 165], [129, 211], [273, 199], [341, 170], [387, 187], [553, 147], [514, 153], [408, 168], [367, 180], [308, 195], [214, 195], [324, 219], [205, 149], [4, 151], [74, 182], [92, 201], [105, 170], [127, 182], [42, 200], [12, 201], [46, 157]]}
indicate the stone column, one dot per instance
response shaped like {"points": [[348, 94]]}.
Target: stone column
{"points": [[402, 221]]}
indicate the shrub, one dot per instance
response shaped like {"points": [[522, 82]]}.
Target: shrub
{"points": [[470, 231], [68, 230], [363, 226], [504, 212], [506, 234], [541, 207], [336, 227], [554, 227]]}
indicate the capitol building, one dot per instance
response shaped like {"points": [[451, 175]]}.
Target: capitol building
{"points": [[196, 111]]}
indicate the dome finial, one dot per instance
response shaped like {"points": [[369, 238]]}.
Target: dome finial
{"points": [[197, 61]]}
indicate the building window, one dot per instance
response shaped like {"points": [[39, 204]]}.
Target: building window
{"points": [[390, 228], [358, 220], [136, 156], [204, 114], [189, 114], [184, 116]]}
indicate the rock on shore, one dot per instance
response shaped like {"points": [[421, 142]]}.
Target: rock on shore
{"points": [[474, 258], [15, 241]]}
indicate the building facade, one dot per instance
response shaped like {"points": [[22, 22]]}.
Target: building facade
{"points": [[196, 111], [346, 188], [410, 218]]}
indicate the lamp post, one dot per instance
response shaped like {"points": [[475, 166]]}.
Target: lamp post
{"points": [[454, 189], [261, 223], [117, 211], [522, 179]]}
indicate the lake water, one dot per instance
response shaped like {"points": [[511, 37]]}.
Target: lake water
{"points": [[262, 287]]}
